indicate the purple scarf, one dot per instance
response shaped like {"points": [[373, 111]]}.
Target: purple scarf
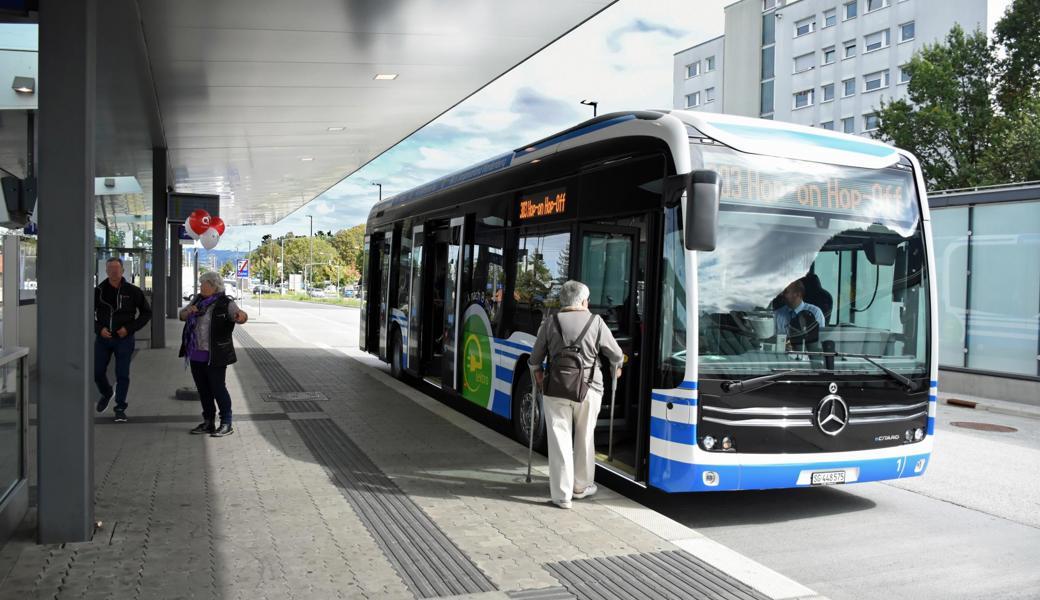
{"points": [[189, 330]]}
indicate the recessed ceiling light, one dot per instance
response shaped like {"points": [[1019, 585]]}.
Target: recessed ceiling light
{"points": [[336, 128], [386, 76], [306, 158]]}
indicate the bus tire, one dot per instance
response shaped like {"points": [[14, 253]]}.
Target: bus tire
{"points": [[522, 401], [396, 370]]}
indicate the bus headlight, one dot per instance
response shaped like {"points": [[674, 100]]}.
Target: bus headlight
{"points": [[918, 434], [909, 435], [727, 443], [709, 442]]}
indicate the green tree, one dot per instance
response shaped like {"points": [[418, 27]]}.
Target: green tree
{"points": [[973, 114], [227, 269], [350, 245]]}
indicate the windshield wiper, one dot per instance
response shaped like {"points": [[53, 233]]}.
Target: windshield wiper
{"points": [[756, 383], [909, 384]]}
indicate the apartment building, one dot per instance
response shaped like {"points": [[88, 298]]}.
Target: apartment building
{"points": [[823, 63]]}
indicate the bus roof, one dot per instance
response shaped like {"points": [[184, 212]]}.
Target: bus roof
{"points": [[755, 136]]}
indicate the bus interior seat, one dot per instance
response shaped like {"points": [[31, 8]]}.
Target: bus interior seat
{"points": [[720, 334], [817, 296]]}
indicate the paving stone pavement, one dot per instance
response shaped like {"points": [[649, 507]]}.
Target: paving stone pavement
{"points": [[256, 514]]}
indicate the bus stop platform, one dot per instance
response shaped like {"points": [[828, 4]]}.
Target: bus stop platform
{"points": [[341, 482]]}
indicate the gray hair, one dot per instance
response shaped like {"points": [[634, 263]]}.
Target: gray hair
{"points": [[214, 279], [573, 293]]}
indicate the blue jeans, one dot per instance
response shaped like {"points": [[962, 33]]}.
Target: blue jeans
{"points": [[209, 380], [123, 348]]}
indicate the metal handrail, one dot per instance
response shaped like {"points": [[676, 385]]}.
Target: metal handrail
{"points": [[1035, 182]]}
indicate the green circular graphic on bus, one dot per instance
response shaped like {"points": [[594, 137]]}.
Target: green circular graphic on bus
{"points": [[478, 362]]}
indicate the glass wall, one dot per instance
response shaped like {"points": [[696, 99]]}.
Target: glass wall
{"points": [[988, 268], [10, 429]]}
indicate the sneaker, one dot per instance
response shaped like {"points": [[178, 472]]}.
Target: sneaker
{"points": [[224, 429], [589, 491], [204, 427], [103, 401], [562, 503], [120, 417]]}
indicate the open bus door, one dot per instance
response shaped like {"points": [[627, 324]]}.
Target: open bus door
{"points": [[440, 302]]}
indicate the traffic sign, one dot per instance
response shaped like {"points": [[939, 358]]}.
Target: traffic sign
{"points": [[243, 268]]}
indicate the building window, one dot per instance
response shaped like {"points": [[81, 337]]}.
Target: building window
{"points": [[709, 95], [848, 87], [876, 40], [906, 32], [873, 5], [904, 74], [805, 26], [693, 69], [804, 62], [828, 125], [768, 29], [709, 64], [768, 67], [803, 98], [768, 4], [830, 18], [875, 81], [850, 49], [767, 98], [870, 122], [828, 92], [848, 125], [850, 11], [829, 55], [693, 99]]}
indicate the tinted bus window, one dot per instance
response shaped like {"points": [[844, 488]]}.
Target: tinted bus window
{"points": [[543, 262]]}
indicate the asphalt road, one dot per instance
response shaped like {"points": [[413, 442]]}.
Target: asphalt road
{"points": [[970, 528]]}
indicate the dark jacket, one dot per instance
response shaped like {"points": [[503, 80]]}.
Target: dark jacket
{"points": [[222, 325], [123, 307]]}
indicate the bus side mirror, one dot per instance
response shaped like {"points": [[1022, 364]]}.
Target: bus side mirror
{"points": [[702, 210]]}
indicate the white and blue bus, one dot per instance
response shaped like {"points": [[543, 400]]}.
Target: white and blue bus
{"points": [[687, 227]]}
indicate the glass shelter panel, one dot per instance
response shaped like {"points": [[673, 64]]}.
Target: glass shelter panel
{"points": [[950, 238]]}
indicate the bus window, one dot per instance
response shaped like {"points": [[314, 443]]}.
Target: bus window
{"points": [[672, 358], [542, 267], [404, 270], [488, 276]]}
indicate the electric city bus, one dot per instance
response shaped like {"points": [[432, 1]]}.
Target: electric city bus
{"points": [[687, 228]]}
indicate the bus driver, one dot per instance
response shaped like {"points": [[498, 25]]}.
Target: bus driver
{"points": [[794, 303]]}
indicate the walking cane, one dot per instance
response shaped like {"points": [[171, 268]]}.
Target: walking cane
{"points": [[610, 427], [530, 432]]}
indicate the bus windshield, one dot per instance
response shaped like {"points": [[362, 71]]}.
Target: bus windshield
{"points": [[812, 259]]}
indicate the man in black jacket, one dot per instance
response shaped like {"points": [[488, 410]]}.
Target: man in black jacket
{"points": [[120, 309]]}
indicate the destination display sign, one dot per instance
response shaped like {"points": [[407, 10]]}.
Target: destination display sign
{"points": [[877, 194], [548, 203]]}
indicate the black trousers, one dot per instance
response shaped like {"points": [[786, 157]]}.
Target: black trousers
{"points": [[213, 393]]}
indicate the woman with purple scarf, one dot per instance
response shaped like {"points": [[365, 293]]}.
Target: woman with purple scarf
{"points": [[206, 346]]}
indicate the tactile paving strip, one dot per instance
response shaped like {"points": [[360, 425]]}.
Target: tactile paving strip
{"points": [[429, 563], [673, 575]]}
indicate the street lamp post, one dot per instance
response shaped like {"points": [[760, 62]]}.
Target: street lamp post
{"points": [[310, 240], [281, 268], [593, 104], [380, 191]]}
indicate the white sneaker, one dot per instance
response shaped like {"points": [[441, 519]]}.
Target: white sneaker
{"points": [[562, 503], [589, 491]]}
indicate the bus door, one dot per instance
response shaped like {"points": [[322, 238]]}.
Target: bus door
{"points": [[375, 295], [609, 264], [415, 303], [385, 289], [442, 258]]}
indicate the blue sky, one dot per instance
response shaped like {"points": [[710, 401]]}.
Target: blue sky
{"points": [[622, 58]]}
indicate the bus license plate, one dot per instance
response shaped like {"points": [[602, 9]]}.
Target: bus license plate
{"points": [[828, 478]]}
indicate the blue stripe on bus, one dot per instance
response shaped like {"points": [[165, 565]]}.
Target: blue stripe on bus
{"points": [[504, 374], [688, 385], [933, 383], [577, 133], [933, 398], [680, 433], [931, 425], [803, 137], [507, 354], [675, 476], [512, 344], [503, 404], [673, 399]]}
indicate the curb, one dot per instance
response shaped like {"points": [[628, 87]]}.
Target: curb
{"points": [[984, 406]]}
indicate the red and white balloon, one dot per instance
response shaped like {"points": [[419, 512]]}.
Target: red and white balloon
{"points": [[204, 227]]}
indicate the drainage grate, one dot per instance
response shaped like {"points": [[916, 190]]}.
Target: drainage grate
{"points": [[674, 574], [983, 426], [426, 559], [278, 378], [300, 406]]}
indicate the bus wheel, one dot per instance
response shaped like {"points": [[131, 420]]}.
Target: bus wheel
{"points": [[523, 403], [395, 356]]}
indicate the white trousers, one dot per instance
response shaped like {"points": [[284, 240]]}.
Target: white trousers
{"points": [[572, 456]]}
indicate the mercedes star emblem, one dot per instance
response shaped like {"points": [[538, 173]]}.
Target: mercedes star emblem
{"points": [[832, 415]]}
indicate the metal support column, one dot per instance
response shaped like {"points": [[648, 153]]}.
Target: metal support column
{"points": [[173, 282], [159, 247], [66, 263]]}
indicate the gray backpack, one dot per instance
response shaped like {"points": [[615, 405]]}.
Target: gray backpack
{"points": [[567, 371]]}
